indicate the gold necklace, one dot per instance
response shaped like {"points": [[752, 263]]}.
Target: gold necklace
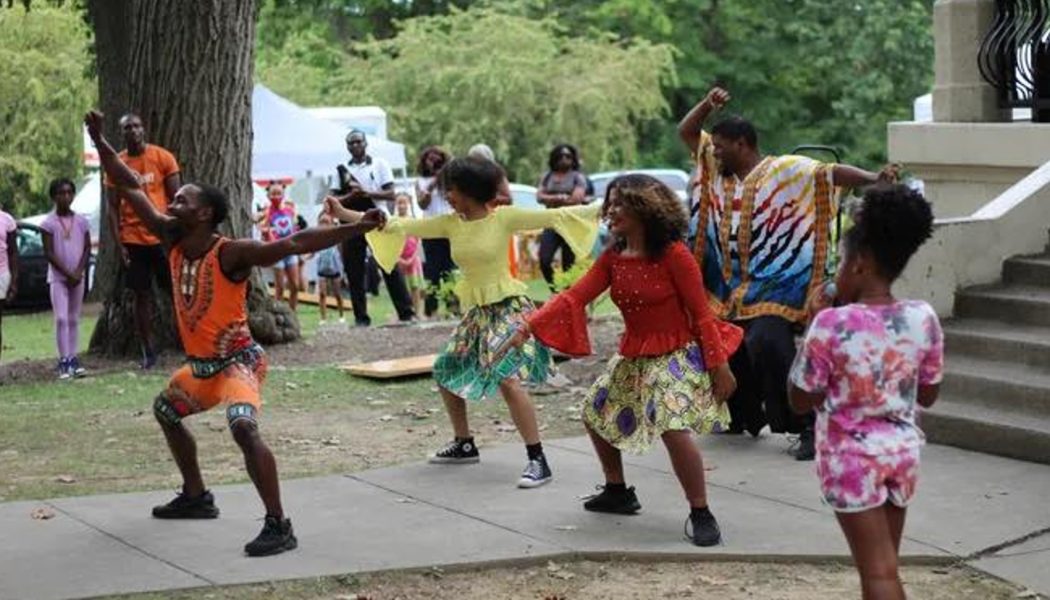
{"points": [[66, 231]]}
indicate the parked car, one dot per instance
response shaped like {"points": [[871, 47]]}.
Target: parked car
{"points": [[676, 179], [33, 290], [524, 196]]}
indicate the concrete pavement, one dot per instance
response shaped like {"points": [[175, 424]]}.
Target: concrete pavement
{"points": [[988, 511]]}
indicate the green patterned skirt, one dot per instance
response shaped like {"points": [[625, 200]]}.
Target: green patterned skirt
{"points": [[638, 399], [464, 366]]}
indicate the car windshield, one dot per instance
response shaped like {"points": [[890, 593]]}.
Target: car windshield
{"points": [[30, 242], [676, 183]]}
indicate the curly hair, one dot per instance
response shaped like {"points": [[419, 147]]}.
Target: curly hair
{"points": [[56, 186], [421, 165], [892, 222], [552, 158], [654, 205]]}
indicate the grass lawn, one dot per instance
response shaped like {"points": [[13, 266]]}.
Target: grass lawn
{"points": [[98, 435]]}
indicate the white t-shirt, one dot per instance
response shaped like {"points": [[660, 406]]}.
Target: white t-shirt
{"points": [[438, 205], [372, 174]]}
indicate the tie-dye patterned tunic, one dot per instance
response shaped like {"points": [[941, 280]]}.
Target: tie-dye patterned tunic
{"points": [[763, 243]]}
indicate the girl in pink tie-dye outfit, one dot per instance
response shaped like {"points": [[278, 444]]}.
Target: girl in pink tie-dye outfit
{"points": [[866, 366]]}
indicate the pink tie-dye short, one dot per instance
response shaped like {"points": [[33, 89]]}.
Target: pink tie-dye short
{"points": [[854, 482]]}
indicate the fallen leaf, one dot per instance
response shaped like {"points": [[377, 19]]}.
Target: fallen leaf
{"points": [[405, 501], [712, 580], [332, 441], [386, 418], [378, 403], [506, 428], [291, 385], [42, 513], [66, 479]]}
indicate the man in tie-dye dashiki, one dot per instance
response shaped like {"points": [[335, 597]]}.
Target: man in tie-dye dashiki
{"points": [[764, 234]]}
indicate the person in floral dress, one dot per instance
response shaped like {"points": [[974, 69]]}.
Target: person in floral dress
{"points": [[867, 366], [671, 376]]}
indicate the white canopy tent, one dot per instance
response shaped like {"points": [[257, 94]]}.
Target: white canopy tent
{"points": [[290, 143]]}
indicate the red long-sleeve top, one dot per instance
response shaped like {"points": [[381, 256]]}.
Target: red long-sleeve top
{"points": [[663, 302]]}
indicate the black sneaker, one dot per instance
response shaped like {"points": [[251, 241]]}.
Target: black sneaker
{"points": [[705, 529], [616, 502], [276, 537], [185, 507], [536, 473], [456, 452], [806, 449]]}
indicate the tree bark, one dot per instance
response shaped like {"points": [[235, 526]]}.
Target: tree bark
{"points": [[186, 68]]}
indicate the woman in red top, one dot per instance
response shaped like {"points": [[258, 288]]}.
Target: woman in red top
{"points": [[671, 375]]}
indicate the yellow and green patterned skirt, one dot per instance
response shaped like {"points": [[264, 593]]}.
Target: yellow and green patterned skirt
{"points": [[464, 365], [637, 399]]}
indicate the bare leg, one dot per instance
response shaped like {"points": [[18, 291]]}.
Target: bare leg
{"points": [[688, 466], [322, 298], [456, 408], [278, 284], [871, 543], [338, 293], [260, 463], [609, 456], [292, 280], [521, 410], [895, 516], [184, 451]]}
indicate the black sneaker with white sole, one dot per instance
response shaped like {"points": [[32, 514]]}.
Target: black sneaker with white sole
{"points": [[617, 502], [537, 472], [276, 537], [187, 507], [705, 528], [456, 452]]}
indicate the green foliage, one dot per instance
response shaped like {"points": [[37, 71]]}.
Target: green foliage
{"points": [[44, 90], [515, 83], [445, 291], [563, 280]]}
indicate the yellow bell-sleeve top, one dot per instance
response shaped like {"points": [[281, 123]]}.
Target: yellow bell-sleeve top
{"points": [[480, 247]]}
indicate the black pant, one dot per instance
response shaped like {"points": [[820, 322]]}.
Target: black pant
{"points": [[437, 266], [355, 255], [761, 367], [550, 242]]}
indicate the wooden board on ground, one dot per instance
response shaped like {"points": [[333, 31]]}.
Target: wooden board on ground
{"points": [[392, 369], [315, 300]]}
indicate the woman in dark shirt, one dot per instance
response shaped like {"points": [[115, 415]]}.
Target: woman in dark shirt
{"points": [[562, 185]]}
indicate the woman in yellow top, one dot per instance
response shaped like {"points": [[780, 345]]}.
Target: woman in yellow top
{"points": [[494, 302]]}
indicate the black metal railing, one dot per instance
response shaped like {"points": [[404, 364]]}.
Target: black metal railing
{"points": [[1015, 56]]}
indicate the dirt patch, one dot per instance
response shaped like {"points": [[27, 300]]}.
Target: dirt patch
{"points": [[620, 580]]}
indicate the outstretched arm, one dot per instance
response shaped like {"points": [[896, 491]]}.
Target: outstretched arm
{"points": [[126, 181], [850, 176], [692, 124], [239, 256]]}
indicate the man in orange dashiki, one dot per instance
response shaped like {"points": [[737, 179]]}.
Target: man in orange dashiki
{"points": [[224, 364]]}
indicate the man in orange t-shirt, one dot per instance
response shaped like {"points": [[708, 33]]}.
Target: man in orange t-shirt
{"points": [[141, 252]]}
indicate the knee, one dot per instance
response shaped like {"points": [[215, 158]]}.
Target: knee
{"points": [[165, 413], [62, 321], [245, 432], [880, 569], [243, 427]]}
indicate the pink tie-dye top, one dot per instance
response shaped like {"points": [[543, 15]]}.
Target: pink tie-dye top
{"points": [[869, 361]]}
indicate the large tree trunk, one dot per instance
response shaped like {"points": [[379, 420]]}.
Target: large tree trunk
{"points": [[186, 68]]}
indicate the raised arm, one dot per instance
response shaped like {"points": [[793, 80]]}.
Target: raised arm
{"points": [[692, 123], [239, 256], [125, 180]]}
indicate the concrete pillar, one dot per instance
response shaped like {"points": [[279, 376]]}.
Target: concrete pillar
{"points": [[960, 94]]}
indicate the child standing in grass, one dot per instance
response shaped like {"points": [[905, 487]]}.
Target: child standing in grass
{"points": [[8, 264], [67, 245], [468, 368], [411, 261], [866, 366], [329, 273]]}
